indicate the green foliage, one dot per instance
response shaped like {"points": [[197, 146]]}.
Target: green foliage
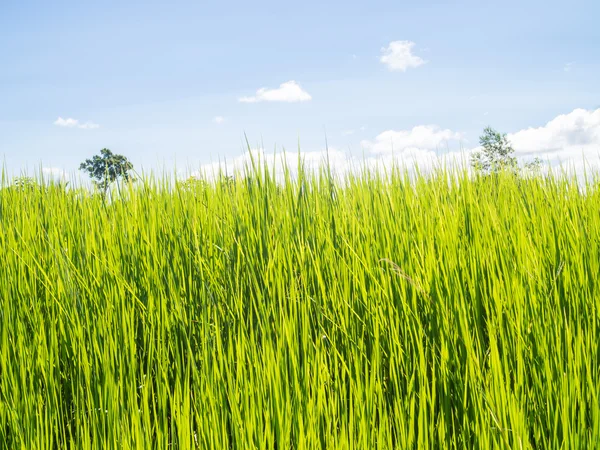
{"points": [[192, 184], [29, 184], [107, 168], [24, 183], [534, 165], [497, 153], [385, 312]]}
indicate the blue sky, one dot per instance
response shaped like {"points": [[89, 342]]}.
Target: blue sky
{"points": [[151, 79]]}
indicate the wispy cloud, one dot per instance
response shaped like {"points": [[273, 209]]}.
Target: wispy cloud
{"points": [[568, 66], [419, 138], [398, 56], [219, 120], [54, 172], [289, 91], [68, 123], [350, 132], [89, 126], [74, 123]]}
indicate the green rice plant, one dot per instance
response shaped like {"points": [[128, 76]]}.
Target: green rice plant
{"points": [[380, 310]]}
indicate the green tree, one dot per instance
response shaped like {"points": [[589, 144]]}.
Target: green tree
{"points": [[192, 185], [496, 153], [24, 184], [534, 165], [106, 168]]}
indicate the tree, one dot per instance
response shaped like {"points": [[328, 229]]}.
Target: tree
{"points": [[496, 154], [192, 185], [534, 165], [24, 184], [106, 168]]}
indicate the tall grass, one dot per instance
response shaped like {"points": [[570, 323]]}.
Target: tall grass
{"points": [[379, 312]]}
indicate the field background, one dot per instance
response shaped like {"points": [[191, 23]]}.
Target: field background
{"points": [[384, 311]]}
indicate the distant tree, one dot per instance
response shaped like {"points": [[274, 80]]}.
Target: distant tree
{"points": [[496, 154], [106, 168], [28, 184], [192, 184], [534, 165], [24, 183]]}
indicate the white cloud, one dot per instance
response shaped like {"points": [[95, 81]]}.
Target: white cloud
{"points": [[54, 172], [289, 91], [219, 120], [74, 123], [398, 56], [419, 138], [89, 126], [423, 146], [341, 163], [69, 123], [568, 66], [573, 137], [350, 132], [566, 137]]}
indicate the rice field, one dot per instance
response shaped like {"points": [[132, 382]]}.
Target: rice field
{"points": [[381, 311]]}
